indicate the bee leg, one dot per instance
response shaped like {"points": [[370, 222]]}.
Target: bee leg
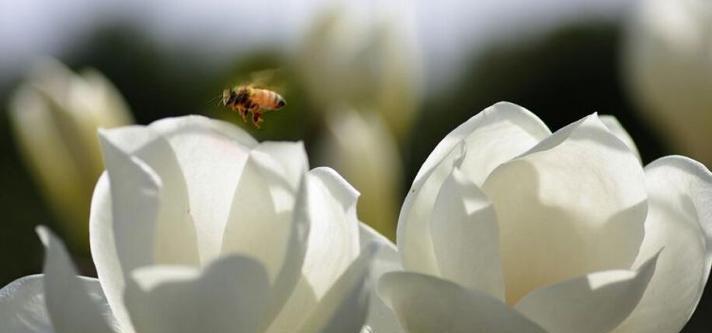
{"points": [[243, 113], [257, 118]]}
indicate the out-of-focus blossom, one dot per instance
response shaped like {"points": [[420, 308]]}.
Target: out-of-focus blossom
{"points": [[510, 228], [359, 147], [366, 59], [55, 115], [196, 227], [668, 66]]}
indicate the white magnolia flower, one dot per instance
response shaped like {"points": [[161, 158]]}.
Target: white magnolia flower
{"points": [[668, 63], [361, 149], [55, 114], [364, 57], [196, 227], [509, 228]]}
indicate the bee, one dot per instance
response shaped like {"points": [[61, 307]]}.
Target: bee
{"points": [[247, 99]]}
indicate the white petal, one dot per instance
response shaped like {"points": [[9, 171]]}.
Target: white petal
{"points": [[424, 303], [65, 184], [230, 295], [69, 304], [573, 204], [291, 294], [22, 306], [122, 222], [261, 212], [212, 155], [327, 203], [490, 138], [345, 306], [380, 317], [617, 129], [505, 130], [135, 198], [680, 220], [199, 125], [466, 236], [499, 133], [594, 303], [265, 222], [175, 240], [333, 231], [291, 158]]}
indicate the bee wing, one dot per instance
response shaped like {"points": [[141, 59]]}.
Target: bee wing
{"points": [[216, 99], [264, 77], [272, 79]]}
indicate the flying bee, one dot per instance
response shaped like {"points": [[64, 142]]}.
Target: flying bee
{"points": [[246, 98]]}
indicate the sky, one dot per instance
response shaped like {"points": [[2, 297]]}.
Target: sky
{"points": [[442, 30]]}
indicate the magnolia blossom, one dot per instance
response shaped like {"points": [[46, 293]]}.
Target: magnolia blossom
{"points": [[196, 227], [668, 66], [510, 228], [364, 57], [55, 114], [361, 149]]}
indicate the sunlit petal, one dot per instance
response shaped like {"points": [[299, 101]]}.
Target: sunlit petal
{"points": [[574, 204], [680, 221]]}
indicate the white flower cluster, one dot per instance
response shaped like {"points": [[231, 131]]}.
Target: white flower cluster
{"points": [[196, 227]]}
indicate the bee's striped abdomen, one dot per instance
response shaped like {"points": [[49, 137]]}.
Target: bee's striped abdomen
{"points": [[267, 99]]}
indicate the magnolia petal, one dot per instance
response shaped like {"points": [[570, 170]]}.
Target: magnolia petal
{"points": [[380, 317], [211, 155], [413, 231], [594, 303], [194, 124], [22, 306], [504, 129], [291, 293], [113, 111], [135, 199], [466, 236], [573, 204], [263, 222], [70, 306], [490, 138], [175, 240], [425, 303], [327, 203], [291, 158], [301, 300], [345, 306], [38, 129], [333, 232], [680, 220], [124, 208], [261, 212], [617, 129], [230, 295]]}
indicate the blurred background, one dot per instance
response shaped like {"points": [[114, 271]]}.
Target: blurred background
{"points": [[371, 87]]}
